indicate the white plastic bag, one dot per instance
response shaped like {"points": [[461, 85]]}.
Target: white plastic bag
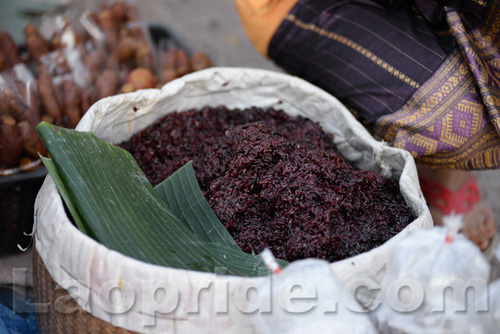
{"points": [[307, 297], [427, 286], [491, 319]]}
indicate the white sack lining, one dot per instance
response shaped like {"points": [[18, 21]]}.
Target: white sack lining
{"points": [[89, 270]]}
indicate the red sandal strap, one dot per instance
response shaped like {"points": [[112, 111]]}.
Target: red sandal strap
{"points": [[445, 200]]}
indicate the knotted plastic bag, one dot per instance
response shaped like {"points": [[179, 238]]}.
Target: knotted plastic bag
{"points": [[307, 297], [436, 282]]}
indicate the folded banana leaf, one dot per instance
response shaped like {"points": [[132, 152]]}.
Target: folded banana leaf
{"points": [[183, 195], [112, 201]]}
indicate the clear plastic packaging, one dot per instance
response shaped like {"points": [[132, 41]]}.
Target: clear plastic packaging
{"points": [[26, 87], [19, 141], [492, 317], [307, 297], [74, 56], [436, 282]]}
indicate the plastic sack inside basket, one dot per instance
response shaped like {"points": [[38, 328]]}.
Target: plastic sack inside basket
{"points": [[436, 281], [307, 297]]}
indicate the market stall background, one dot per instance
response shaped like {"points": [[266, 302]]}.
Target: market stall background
{"points": [[212, 27]]}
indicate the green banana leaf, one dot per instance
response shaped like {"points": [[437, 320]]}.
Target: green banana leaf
{"points": [[51, 168], [183, 195], [118, 206]]}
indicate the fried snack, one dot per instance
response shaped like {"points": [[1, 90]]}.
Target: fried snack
{"points": [[72, 101], [127, 88], [61, 63], [48, 119], [29, 96], [134, 25], [127, 48], [106, 19], [35, 43], [144, 58], [93, 60], [94, 17], [67, 34], [58, 93], [132, 15], [47, 95], [140, 78], [5, 97], [12, 105], [10, 142], [169, 60], [55, 41], [107, 84], [32, 143], [177, 60], [200, 61], [9, 53], [77, 37], [183, 64], [167, 76], [28, 164], [119, 11], [167, 67], [109, 26], [86, 101]]}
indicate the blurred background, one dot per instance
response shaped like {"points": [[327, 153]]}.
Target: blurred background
{"points": [[210, 26]]}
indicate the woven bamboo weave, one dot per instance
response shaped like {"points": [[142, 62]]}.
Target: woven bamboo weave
{"points": [[57, 312]]}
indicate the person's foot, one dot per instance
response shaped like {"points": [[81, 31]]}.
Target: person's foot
{"points": [[479, 221]]}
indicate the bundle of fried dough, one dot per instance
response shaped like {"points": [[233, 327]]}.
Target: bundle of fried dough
{"points": [[111, 54]]}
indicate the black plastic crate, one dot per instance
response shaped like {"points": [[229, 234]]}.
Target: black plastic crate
{"points": [[17, 200]]}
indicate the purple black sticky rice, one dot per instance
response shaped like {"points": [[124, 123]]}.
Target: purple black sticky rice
{"points": [[275, 181]]}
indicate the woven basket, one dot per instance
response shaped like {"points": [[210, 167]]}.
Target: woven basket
{"points": [[75, 262], [57, 312]]}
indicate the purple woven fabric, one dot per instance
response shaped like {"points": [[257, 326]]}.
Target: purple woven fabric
{"points": [[422, 76]]}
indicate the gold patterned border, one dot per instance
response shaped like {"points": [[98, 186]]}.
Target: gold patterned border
{"points": [[420, 111], [482, 152], [482, 46], [431, 105], [354, 46], [480, 2]]}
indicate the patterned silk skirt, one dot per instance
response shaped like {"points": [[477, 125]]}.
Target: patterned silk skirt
{"points": [[421, 76]]}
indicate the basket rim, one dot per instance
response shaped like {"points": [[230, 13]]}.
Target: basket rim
{"points": [[102, 262]]}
